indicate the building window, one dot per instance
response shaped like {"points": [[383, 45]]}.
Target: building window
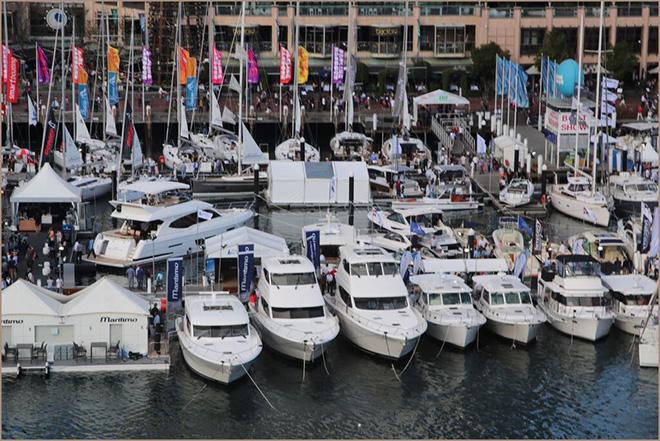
{"points": [[426, 34], [107, 25], [312, 39], [653, 40], [283, 35], [633, 36], [382, 40], [531, 41], [450, 40], [629, 9], [591, 38], [383, 8]]}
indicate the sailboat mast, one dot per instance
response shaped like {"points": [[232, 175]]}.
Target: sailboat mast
{"points": [[126, 91], [73, 85], [211, 50], [131, 79], [349, 38], [175, 67], [598, 79], [240, 93], [576, 164], [178, 79], [62, 100], [10, 113]]}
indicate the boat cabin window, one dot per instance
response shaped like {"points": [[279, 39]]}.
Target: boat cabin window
{"points": [[188, 326], [345, 265], [396, 217], [266, 276], [264, 305], [330, 251], [375, 174], [380, 303], [375, 269], [390, 268], [291, 279], [578, 187], [449, 298], [496, 298], [427, 220], [578, 268], [359, 269], [516, 298], [587, 301], [345, 296], [650, 187], [185, 221], [297, 313], [140, 230], [221, 331]]}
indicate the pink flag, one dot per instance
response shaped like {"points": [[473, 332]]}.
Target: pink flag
{"points": [[217, 76], [146, 67], [43, 74], [285, 65], [253, 70], [77, 63], [6, 55]]}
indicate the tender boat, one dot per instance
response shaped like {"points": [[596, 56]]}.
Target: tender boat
{"points": [[507, 305], [576, 199], [446, 304], [519, 192], [607, 248], [91, 187], [350, 145], [382, 180], [290, 312], [216, 338], [631, 300], [574, 299], [290, 150], [390, 241], [372, 303], [629, 191], [161, 225], [509, 244]]}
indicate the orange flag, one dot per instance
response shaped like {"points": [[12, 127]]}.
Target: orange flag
{"points": [[184, 56], [113, 59]]}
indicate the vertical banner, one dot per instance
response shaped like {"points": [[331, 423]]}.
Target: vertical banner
{"points": [[337, 65], [43, 74], [113, 93], [253, 69], [113, 59], [538, 237], [184, 56], [313, 239], [303, 65], [147, 79], [129, 134], [83, 100], [191, 93], [51, 131], [285, 65], [245, 270], [647, 221], [77, 63], [217, 76], [174, 279], [209, 269], [12, 80], [6, 55]]}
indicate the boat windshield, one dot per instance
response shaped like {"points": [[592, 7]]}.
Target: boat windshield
{"points": [[518, 187], [651, 187], [220, 331], [293, 279], [517, 298], [297, 313], [380, 303], [449, 298], [374, 269], [639, 299], [580, 268], [587, 301], [577, 188]]}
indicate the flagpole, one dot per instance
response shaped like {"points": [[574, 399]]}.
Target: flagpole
{"points": [[62, 104], [497, 75], [178, 80], [132, 80], [295, 73], [50, 86], [73, 83], [508, 98], [576, 163], [36, 76], [515, 101], [211, 63], [240, 92], [123, 125], [598, 96], [10, 113], [175, 70], [502, 99], [332, 73], [538, 124]]}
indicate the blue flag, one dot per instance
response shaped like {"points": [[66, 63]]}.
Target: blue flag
{"points": [[245, 270], [113, 93], [498, 75], [83, 100], [522, 225], [313, 239], [174, 279], [416, 229], [191, 93], [522, 100]]}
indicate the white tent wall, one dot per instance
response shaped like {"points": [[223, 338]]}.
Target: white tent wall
{"points": [[361, 189], [286, 182], [22, 328], [89, 328], [318, 177]]}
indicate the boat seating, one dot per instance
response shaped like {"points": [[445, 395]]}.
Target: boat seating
{"points": [[113, 350], [79, 351], [41, 351]]}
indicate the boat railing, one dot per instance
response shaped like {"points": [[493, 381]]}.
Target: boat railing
{"points": [[595, 312], [525, 316]]}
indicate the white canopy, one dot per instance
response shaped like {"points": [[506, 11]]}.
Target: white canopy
{"points": [[46, 187], [533, 70], [153, 187], [106, 297], [438, 97], [226, 245], [24, 298], [649, 154], [465, 265]]}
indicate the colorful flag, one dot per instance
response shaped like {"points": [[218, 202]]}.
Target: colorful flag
{"points": [[184, 56], [217, 76], [191, 67], [303, 65], [113, 59], [77, 63], [337, 65], [12, 80], [522, 100], [113, 93], [83, 100], [49, 140], [32, 112], [191, 93], [129, 133], [146, 67], [43, 74], [253, 69], [6, 54], [285, 65]]}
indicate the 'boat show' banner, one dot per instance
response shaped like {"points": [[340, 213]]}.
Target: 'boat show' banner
{"points": [[245, 270], [174, 279]]}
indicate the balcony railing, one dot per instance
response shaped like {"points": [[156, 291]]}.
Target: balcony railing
{"points": [[318, 47], [533, 12], [500, 12], [594, 11], [447, 48], [447, 10], [383, 48], [394, 10], [323, 10], [565, 12], [263, 9], [629, 10]]}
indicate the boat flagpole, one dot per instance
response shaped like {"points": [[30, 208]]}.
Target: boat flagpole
{"points": [[576, 161], [598, 104]]}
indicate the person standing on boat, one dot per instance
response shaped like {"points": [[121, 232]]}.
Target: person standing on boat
{"points": [[130, 275], [139, 273]]}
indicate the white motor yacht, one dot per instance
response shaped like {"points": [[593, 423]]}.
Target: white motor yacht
{"points": [[290, 150], [607, 248], [388, 240], [216, 338], [372, 303], [91, 187], [446, 304], [161, 225], [410, 146], [630, 232], [182, 159], [382, 180], [631, 300], [576, 199], [333, 234], [574, 299], [509, 243], [519, 192], [507, 305], [350, 145], [629, 191], [290, 312]]}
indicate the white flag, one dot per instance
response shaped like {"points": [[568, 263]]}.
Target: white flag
{"points": [[204, 215], [32, 112], [234, 85], [241, 53], [110, 126], [653, 250], [216, 113], [228, 116]]}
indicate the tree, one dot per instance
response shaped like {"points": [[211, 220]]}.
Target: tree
{"points": [[622, 61], [555, 47], [483, 65]]}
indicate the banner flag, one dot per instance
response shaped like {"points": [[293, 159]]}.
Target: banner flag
{"points": [[113, 93], [285, 65], [51, 130], [245, 270], [253, 69], [83, 100], [113, 59], [313, 242], [337, 65], [218, 76], [43, 73], [303, 65], [147, 79], [174, 279], [184, 56], [12, 80]]}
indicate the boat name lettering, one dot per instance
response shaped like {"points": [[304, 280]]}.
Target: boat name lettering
{"points": [[106, 319]]}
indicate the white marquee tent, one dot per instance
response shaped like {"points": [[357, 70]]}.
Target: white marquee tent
{"points": [[438, 97], [225, 246]]}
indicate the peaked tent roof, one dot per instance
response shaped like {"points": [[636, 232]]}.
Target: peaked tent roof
{"points": [[441, 97], [46, 187], [24, 298], [226, 245], [106, 296]]}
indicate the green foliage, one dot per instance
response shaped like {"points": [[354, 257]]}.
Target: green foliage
{"points": [[622, 61], [483, 64], [555, 47]]}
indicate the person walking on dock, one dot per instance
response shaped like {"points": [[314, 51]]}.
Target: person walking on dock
{"points": [[130, 275]]}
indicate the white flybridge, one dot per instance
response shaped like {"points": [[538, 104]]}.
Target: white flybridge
{"points": [[519, 192], [507, 305], [372, 303], [574, 299], [629, 191], [446, 304], [216, 338], [161, 225], [290, 312], [631, 300]]}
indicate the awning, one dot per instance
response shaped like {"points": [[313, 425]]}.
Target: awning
{"points": [[46, 187], [226, 245], [438, 97], [465, 265]]}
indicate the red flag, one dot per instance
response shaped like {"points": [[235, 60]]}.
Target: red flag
{"points": [[12, 80], [217, 76], [76, 63], [184, 55], [285, 66]]}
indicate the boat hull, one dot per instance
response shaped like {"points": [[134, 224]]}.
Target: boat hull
{"points": [[576, 209], [293, 349], [626, 208], [523, 333], [590, 329], [222, 373], [629, 325], [459, 335]]}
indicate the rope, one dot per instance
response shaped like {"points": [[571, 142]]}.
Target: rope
{"points": [[444, 340], [257, 386], [304, 343], [323, 358], [195, 396], [411, 356]]}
